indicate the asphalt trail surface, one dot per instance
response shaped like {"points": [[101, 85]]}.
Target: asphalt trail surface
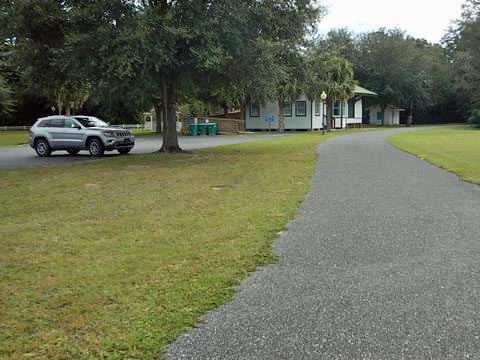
{"points": [[382, 262]]}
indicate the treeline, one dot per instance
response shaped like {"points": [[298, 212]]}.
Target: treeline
{"points": [[118, 58]]}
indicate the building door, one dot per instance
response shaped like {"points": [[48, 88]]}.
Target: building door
{"points": [[379, 118]]}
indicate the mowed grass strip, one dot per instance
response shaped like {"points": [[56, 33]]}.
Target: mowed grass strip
{"points": [[115, 258], [13, 137], [453, 148]]}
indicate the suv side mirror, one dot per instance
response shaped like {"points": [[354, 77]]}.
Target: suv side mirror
{"points": [[76, 126]]}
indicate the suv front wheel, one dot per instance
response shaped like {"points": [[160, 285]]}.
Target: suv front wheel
{"points": [[42, 148], [96, 147], [123, 151]]}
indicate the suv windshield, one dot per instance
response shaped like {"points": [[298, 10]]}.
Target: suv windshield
{"points": [[91, 122]]}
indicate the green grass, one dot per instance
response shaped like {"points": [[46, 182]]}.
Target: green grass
{"points": [[13, 138], [453, 148], [115, 258], [144, 132]]}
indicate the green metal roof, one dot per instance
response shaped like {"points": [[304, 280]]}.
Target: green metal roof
{"points": [[362, 91]]}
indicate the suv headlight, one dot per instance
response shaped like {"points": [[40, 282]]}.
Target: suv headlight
{"points": [[109, 133]]}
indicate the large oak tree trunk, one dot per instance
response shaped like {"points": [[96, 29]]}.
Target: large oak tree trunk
{"points": [[159, 115], [170, 138], [384, 108]]}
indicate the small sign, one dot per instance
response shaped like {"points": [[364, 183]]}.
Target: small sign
{"points": [[269, 118]]}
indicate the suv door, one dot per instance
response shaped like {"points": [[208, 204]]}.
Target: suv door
{"points": [[54, 128], [74, 134]]}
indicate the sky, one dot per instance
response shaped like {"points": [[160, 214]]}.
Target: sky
{"points": [[428, 19]]}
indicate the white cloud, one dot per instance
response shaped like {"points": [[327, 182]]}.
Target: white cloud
{"points": [[427, 19]]}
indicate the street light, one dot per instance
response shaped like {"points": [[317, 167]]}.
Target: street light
{"points": [[323, 97]]}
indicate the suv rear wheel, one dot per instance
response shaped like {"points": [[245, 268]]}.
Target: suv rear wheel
{"points": [[42, 148], [96, 148]]}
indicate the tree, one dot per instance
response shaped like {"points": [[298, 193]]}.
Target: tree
{"points": [[200, 47], [7, 67], [340, 41], [37, 37], [287, 80], [331, 73], [266, 52], [397, 67], [6, 101], [381, 65], [463, 49]]}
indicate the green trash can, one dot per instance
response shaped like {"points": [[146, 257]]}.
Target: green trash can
{"points": [[202, 128], [212, 129], [194, 129]]}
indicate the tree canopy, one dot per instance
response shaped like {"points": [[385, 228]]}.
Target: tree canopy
{"points": [[463, 48], [330, 73], [122, 57]]}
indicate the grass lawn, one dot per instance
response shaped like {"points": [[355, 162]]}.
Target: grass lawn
{"points": [[114, 258], [13, 138], [144, 132], [454, 148]]}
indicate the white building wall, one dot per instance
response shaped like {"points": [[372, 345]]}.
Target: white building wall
{"points": [[300, 122], [308, 122], [318, 119], [269, 108], [396, 118], [392, 116], [293, 122]]}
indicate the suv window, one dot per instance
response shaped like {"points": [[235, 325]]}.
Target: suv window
{"points": [[55, 123], [69, 123]]}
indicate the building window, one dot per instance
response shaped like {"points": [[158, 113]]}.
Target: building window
{"points": [[254, 110], [351, 109], [287, 109], [301, 108], [336, 108], [318, 108]]}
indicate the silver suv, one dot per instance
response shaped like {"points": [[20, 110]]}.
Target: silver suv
{"points": [[75, 133]]}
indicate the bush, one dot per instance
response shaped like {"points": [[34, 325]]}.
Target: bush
{"points": [[475, 118]]}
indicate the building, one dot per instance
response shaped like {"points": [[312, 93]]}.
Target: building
{"points": [[304, 114], [392, 115]]}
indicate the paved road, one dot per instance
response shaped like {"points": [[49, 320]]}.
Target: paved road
{"points": [[382, 262], [25, 157]]}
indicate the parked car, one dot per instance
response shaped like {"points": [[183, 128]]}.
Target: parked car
{"points": [[75, 133]]}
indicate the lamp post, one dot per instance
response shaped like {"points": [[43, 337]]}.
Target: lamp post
{"points": [[323, 97]]}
